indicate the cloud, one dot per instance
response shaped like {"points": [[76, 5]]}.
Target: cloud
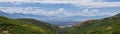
{"points": [[86, 3], [60, 12]]}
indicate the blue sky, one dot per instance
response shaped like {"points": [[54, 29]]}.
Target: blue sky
{"points": [[62, 10]]}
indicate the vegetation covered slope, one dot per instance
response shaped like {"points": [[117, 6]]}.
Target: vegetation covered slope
{"points": [[38, 23], [10, 26], [110, 25]]}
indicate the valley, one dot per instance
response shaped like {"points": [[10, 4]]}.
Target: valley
{"points": [[109, 25]]}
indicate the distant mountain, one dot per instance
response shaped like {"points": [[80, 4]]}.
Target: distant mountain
{"points": [[18, 15], [41, 18], [66, 21], [110, 25], [11, 26]]}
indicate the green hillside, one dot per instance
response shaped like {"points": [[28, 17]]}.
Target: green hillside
{"points": [[110, 25], [38, 23], [10, 26]]}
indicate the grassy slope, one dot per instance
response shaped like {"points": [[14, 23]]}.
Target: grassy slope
{"points": [[110, 25], [10, 26]]}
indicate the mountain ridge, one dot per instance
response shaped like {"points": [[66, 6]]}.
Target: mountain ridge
{"points": [[109, 25]]}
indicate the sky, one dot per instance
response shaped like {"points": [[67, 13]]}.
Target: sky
{"points": [[62, 10]]}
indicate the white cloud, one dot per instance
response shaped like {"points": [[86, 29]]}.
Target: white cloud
{"points": [[87, 3], [61, 12]]}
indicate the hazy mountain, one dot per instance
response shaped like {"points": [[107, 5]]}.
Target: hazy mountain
{"points": [[41, 18]]}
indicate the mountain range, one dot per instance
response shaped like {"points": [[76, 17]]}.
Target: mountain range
{"points": [[108, 25], [41, 18]]}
